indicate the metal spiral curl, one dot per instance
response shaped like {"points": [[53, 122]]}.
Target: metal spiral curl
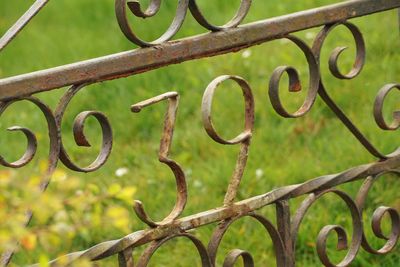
{"points": [[155, 245], [377, 218], [30, 136], [241, 208], [234, 255], [79, 136], [324, 233], [235, 21], [154, 6], [243, 138], [165, 145], [334, 57], [294, 82], [54, 148], [378, 109], [134, 6], [354, 72], [29, 152]]}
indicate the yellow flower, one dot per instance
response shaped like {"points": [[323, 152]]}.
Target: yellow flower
{"points": [[29, 241]]}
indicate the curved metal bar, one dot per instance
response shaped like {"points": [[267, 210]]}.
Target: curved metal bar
{"points": [[341, 233], [249, 110], [377, 217], [378, 109], [294, 82], [165, 145], [240, 208], [54, 148], [125, 258], [79, 135], [334, 57], [357, 68], [154, 246], [235, 21], [133, 62], [29, 152], [234, 256], [31, 138], [137, 61], [223, 227], [21, 23], [243, 138], [135, 8]]}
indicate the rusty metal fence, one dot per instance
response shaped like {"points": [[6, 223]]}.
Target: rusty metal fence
{"points": [[221, 40]]}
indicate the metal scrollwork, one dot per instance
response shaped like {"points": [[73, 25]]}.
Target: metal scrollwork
{"points": [[334, 57], [165, 145], [54, 148], [354, 72], [378, 109], [243, 139], [286, 232], [79, 136], [235, 21], [377, 217], [29, 152], [294, 82], [31, 138], [154, 246], [324, 233], [136, 9], [234, 255], [122, 6]]}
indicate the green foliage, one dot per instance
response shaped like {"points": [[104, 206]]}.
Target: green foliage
{"points": [[70, 210]]}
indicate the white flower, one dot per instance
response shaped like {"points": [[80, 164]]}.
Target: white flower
{"points": [[62, 228], [246, 53], [121, 172], [259, 173], [310, 35], [197, 184]]}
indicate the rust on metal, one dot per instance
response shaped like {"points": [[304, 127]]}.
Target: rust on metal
{"points": [[165, 145], [294, 82], [243, 138], [238, 209], [79, 135], [142, 60], [230, 37]]}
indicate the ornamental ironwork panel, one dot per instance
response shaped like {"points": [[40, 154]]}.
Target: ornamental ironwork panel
{"points": [[230, 37]]}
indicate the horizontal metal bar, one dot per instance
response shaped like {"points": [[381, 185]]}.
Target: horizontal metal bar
{"points": [[205, 45], [240, 208]]}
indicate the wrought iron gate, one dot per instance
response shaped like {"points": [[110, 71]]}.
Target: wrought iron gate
{"points": [[223, 39]]}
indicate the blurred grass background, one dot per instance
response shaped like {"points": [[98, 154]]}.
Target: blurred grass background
{"points": [[283, 151]]}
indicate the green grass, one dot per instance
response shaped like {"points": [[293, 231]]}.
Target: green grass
{"points": [[287, 151]]}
